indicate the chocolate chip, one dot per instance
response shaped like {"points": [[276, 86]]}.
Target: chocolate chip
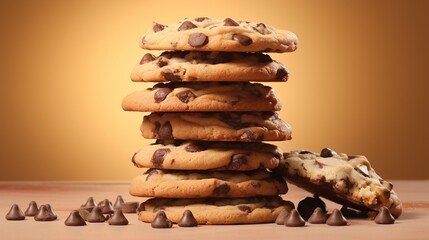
{"points": [[251, 136], [263, 58], [244, 208], [161, 94], [237, 160], [147, 58], [162, 62], [261, 28], [307, 206], [170, 76], [51, 211], [230, 22], [44, 214], [185, 96], [106, 206], [200, 19], [186, 25], [363, 169], [187, 219], [318, 217], [351, 213], [194, 147], [118, 218], [384, 216], [129, 207], [74, 219], [327, 152], [118, 203], [294, 219], [158, 27], [95, 216], [158, 157], [151, 172], [198, 40], [336, 219], [280, 220], [15, 213], [161, 221], [90, 202], [32, 209], [84, 212], [242, 39], [165, 131], [281, 74], [221, 190]]}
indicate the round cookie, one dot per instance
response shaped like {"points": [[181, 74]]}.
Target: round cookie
{"points": [[217, 211], [209, 126], [191, 155], [201, 184], [203, 97], [197, 66], [228, 35], [345, 179]]}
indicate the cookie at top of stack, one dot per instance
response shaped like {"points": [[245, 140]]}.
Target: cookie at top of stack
{"points": [[209, 121]]}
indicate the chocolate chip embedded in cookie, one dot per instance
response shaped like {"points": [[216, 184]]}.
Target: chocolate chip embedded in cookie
{"points": [[193, 155], [226, 35], [345, 179], [203, 97], [197, 66], [200, 184], [226, 126], [218, 210]]}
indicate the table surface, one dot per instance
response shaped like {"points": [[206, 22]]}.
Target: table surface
{"points": [[66, 196]]}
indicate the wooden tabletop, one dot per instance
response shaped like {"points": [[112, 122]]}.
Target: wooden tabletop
{"points": [[66, 196]]}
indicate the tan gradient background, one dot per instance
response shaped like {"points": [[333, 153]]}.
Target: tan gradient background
{"points": [[358, 84]]}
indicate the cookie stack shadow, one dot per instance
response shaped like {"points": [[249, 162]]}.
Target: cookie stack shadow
{"points": [[208, 120]]}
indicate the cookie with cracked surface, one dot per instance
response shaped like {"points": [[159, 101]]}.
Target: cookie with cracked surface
{"points": [[227, 35], [203, 97], [220, 126], [199, 155], [201, 184], [217, 210], [345, 179], [197, 66]]}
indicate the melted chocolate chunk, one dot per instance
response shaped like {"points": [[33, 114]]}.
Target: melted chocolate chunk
{"points": [[281, 74], [251, 136], [263, 58], [237, 160], [327, 152], [162, 62], [147, 58], [318, 217], [161, 221], [170, 76], [242, 39], [32, 209], [201, 19], [280, 220], [165, 131], [15, 213], [186, 25], [158, 157], [161, 94], [384, 216], [95, 216], [151, 172], [158, 27], [185, 96], [221, 190], [336, 219], [198, 40], [187, 219], [118, 218], [74, 219], [294, 219], [307, 206], [194, 147], [244, 208], [230, 22]]}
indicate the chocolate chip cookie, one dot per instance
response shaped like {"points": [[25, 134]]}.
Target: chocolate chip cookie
{"points": [[227, 35], [345, 179], [217, 210], [203, 97], [193, 155], [225, 126], [209, 66], [201, 184]]}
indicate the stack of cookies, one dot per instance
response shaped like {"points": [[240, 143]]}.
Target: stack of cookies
{"points": [[209, 121]]}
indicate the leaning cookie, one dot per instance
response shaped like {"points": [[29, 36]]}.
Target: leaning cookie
{"points": [[217, 210], [207, 34], [209, 126], [345, 179], [199, 155], [203, 97], [197, 66], [201, 184]]}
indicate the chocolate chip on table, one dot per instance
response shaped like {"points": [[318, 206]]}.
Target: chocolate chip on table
{"points": [[318, 217], [44, 214], [200, 19], [161, 94], [221, 190], [74, 219], [158, 27], [118, 218], [230, 22], [106, 206], [32, 209], [384, 216], [294, 219], [280, 220], [194, 147], [147, 58], [186, 25], [158, 157], [51, 211], [187, 219], [327, 152], [129, 207], [336, 219], [118, 203], [90, 202], [242, 39], [185, 96], [85, 211], [198, 40], [95, 216], [237, 160], [307, 206], [15, 213], [161, 221]]}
